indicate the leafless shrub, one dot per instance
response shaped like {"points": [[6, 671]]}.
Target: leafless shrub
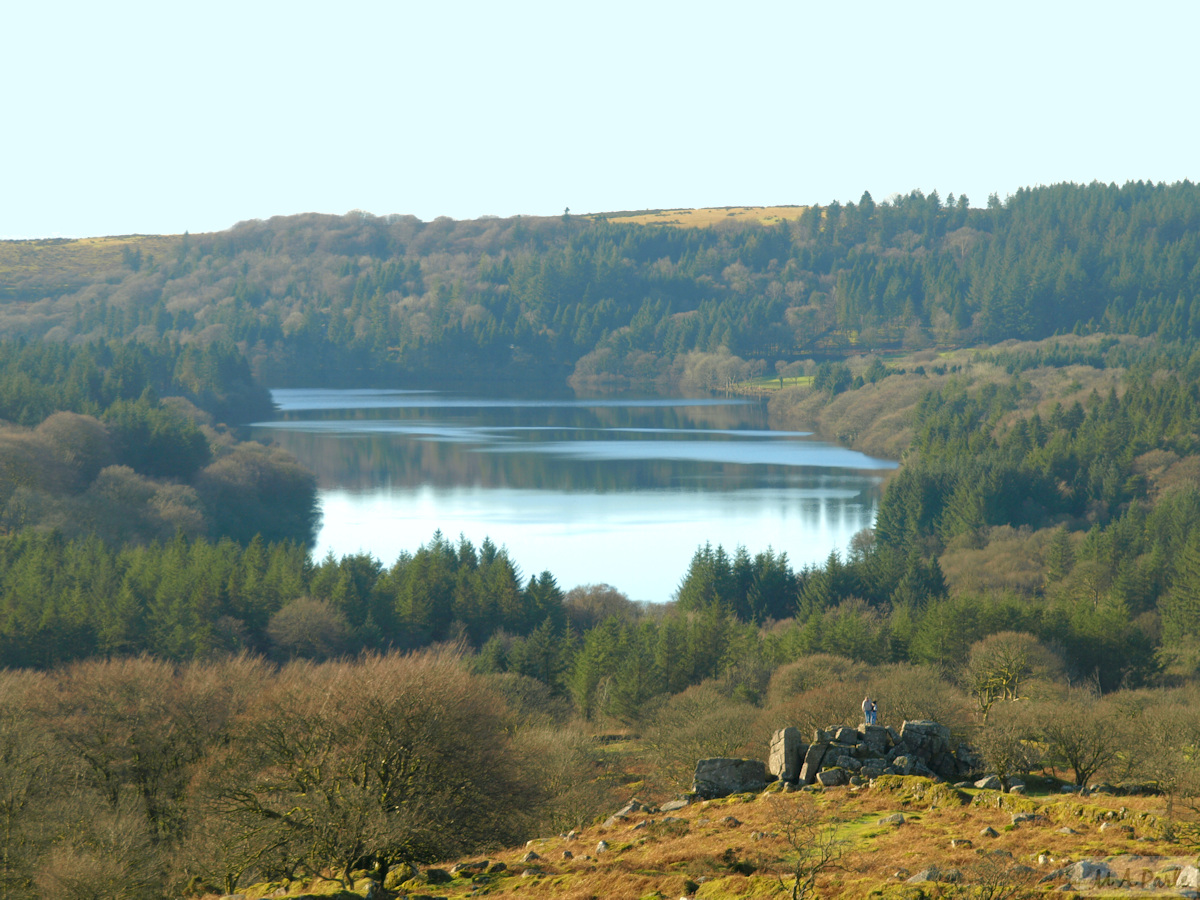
{"points": [[698, 723]]}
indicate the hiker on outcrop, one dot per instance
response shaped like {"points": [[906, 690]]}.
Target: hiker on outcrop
{"points": [[874, 713], [868, 706]]}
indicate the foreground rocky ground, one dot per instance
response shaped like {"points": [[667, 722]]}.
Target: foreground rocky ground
{"points": [[897, 837]]}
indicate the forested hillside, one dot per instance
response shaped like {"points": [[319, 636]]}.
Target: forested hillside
{"points": [[1036, 558], [125, 441], [367, 300]]}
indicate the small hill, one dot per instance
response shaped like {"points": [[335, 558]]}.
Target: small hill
{"points": [[751, 845]]}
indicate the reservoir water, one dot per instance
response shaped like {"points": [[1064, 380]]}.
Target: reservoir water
{"points": [[615, 490]]}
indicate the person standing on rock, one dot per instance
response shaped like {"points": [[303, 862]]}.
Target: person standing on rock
{"points": [[874, 713], [868, 706]]}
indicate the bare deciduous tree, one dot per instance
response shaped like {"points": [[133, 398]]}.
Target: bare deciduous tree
{"points": [[813, 845], [340, 766], [1079, 734]]}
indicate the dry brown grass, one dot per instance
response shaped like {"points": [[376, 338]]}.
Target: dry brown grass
{"points": [[69, 258], [711, 215]]}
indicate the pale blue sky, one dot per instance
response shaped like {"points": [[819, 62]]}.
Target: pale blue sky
{"points": [[126, 117]]}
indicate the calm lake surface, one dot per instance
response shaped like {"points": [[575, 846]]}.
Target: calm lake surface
{"points": [[615, 490]]}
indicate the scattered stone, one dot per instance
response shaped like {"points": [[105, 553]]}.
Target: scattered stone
{"points": [[1018, 818], [1017, 789], [496, 868], [1045, 860], [634, 806], [645, 823], [893, 819], [721, 776], [989, 783], [1088, 870], [614, 821], [1189, 877], [673, 805], [572, 835], [989, 832], [567, 854], [960, 843], [531, 856], [531, 872], [933, 873], [730, 822], [602, 847], [757, 835]]}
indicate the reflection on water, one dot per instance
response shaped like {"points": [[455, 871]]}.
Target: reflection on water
{"points": [[615, 490]]}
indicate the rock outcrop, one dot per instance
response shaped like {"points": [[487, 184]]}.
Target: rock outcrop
{"points": [[918, 748], [839, 755]]}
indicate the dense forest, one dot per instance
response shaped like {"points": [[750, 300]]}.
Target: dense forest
{"points": [[1034, 363], [359, 299]]}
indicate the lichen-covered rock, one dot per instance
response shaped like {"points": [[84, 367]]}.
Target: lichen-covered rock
{"points": [[989, 783], [721, 776], [876, 738], [925, 738], [812, 762], [844, 734], [787, 754], [832, 777]]}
